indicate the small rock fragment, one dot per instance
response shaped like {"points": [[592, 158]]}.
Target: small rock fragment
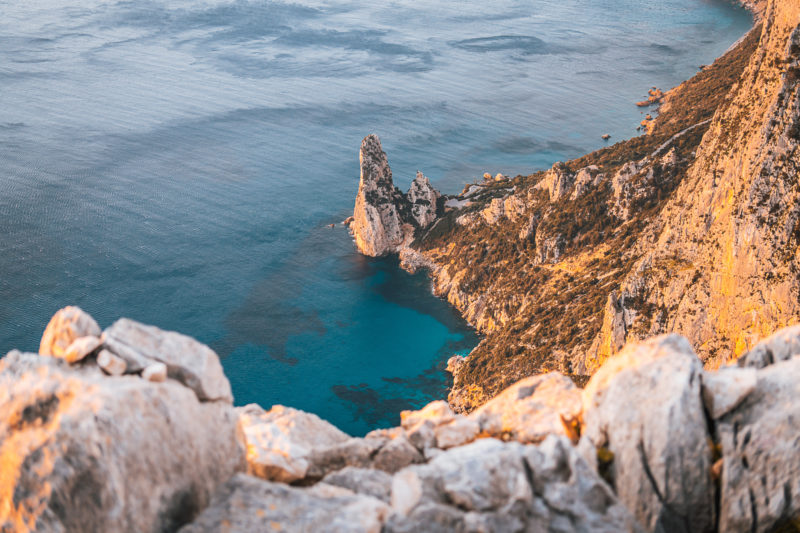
{"points": [[80, 348], [110, 363], [156, 372]]}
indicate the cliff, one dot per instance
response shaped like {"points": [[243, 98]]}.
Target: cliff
{"points": [[119, 431], [691, 228]]}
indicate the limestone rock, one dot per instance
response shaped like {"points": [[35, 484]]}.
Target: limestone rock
{"points": [[368, 481], [280, 441], [396, 454], [726, 388], [110, 363], [67, 325], [532, 409], [155, 372], [557, 181], [352, 452], [438, 412], [498, 486], [760, 485], [424, 200], [780, 346], [80, 348], [644, 424], [456, 432], [454, 363], [82, 451], [192, 363], [246, 504], [494, 211], [377, 225]]}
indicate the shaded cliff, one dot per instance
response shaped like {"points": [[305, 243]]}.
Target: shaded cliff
{"points": [[690, 228]]}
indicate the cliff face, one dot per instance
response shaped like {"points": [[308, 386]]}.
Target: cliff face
{"points": [[719, 263], [692, 228], [384, 218]]}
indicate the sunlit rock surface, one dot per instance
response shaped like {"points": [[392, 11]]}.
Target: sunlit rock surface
{"points": [[644, 424], [82, 451]]}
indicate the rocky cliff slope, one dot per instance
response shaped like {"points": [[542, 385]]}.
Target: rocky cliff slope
{"points": [[691, 228], [118, 431]]}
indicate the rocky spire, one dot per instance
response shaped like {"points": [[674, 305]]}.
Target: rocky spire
{"points": [[423, 199], [384, 217]]}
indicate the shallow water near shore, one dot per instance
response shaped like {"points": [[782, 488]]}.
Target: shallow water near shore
{"points": [[179, 163]]}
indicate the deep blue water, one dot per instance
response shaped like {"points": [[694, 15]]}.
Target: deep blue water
{"points": [[178, 163]]}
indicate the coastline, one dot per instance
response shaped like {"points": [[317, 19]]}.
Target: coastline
{"points": [[474, 306]]}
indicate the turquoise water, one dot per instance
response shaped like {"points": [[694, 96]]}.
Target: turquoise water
{"points": [[178, 163]]}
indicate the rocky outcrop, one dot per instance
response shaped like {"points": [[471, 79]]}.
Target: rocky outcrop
{"points": [[186, 360], [246, 504], [645, 427], [384, 218], [69, 334], [85, 451], [424, 201], [719, 261]]}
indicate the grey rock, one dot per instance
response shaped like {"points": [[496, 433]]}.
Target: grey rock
{"points": [[67, 325], [396, 454], [490, 485], [86, 452], [760, 485], [643, 410], [377, 222], [423, 199], [726, 388], [80, 348], [110, 363], [155, 372], [375, 483], [192, 363], [532, 409], [352, 452], [246, 504], [281, 441], [782, 345]]}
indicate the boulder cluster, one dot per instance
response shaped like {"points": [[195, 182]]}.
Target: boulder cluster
{"points": [[653, 443]]}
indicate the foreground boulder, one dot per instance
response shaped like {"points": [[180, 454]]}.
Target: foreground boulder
{"points": [[645, 430], [246, 504], [760, 485], [192, 363], [82, 451], [490, 485], [280, 441]]}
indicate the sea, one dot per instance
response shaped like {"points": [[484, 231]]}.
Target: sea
{"points": [[180, 162]]}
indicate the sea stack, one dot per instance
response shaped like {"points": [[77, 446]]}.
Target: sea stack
{"points": [[384, 218]]}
